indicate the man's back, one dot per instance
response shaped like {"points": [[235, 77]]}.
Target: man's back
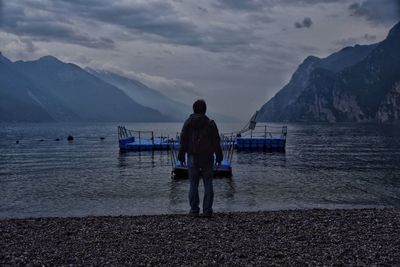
{"points": [[200, 139]]}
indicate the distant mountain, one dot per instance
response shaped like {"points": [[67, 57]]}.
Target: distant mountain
{"points": [[18, 100], [356, 84], [144, 95], [68, 93], [152, 98], [48, 89]]}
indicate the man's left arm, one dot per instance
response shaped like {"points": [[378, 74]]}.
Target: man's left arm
{"points": [[183, 143]]}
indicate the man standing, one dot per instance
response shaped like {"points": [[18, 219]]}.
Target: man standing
{"points": [[200, 140]]}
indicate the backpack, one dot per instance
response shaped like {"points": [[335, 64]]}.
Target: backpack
{"points": [[201, 140]]}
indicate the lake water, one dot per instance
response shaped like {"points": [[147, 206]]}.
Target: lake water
{"points": [[324, 166]]}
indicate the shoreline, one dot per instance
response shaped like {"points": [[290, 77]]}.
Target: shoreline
{"points": [[288, 237]]}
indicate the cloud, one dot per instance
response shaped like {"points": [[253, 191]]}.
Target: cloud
{"points": [[160, 21], [246, 49], [42, 25], [241, 5], [202, 9], [257, 5], [20, 48], [260, 18], [155, 21], [62, 33], [364, 39], [369, 37], [306, 23], [143, 18], [381, 12], [177, 87], [1, 11]]}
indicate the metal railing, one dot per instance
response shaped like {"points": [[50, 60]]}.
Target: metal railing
{"points": [[124, 133], [227, 146], [263, 131]]}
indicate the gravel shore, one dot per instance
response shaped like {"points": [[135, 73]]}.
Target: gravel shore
{"points": [[299, 237]]}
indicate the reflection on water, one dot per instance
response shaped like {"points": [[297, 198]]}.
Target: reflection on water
{"points": [[327, 166]]}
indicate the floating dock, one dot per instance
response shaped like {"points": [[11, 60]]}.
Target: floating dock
{"points": [[263, 137], [180, 171], [143, 140], [251, 138]]}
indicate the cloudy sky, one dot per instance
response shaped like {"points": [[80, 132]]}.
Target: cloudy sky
{"points": [[236, 54]]}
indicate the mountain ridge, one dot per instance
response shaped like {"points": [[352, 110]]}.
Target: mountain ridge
{"points": [[143, 94], [64, 92], [153, 98], [16, 101], [350, 85]]}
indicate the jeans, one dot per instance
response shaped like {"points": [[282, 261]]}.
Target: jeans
{"points": [[206, 171]]}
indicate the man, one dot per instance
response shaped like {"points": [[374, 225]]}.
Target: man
{"points": [[200, 140]]}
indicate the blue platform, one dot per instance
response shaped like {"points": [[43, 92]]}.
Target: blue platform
{"points": [[134, 144], [143, 140], [262, 137], [259, 143], [181, 172]]}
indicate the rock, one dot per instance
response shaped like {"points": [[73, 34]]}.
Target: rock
{"points": [[305, 237]]}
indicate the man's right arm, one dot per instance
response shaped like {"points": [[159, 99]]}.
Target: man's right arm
{"points": [[217, 144]]}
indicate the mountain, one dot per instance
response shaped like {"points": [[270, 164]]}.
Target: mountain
{"points": [[69, 93], [144, 95], [152, 98], [17, 97], [356, 84], [48, 89]]}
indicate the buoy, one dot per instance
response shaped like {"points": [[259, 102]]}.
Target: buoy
{"points": [[57, 139], [41, 140], [17, 142], [101, 138], [70, 138]]}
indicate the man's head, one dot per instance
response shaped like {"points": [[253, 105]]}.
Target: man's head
{"points": [[200, 107]]}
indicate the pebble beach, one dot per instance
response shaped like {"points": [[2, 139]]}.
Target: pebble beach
{"points": [[362, 237]]}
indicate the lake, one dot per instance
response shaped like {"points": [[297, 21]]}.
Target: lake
{"points": [[324, 166]]}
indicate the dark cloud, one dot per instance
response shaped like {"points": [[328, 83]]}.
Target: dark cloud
{"points": [[45, 26], [311, 2], [157, 21], [29, 46], [309, 49], [306, 23], [354, 6], [260, 18], [382, 11], [1, 12], [202, 9], [242, 5], [60, 32], [369, 37], [152, 18], [257, 5]]}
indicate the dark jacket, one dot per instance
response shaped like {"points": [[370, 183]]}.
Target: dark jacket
{"points": [[197, 121]]}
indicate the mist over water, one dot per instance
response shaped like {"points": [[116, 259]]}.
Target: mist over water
{"points": [[325, 166]]}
